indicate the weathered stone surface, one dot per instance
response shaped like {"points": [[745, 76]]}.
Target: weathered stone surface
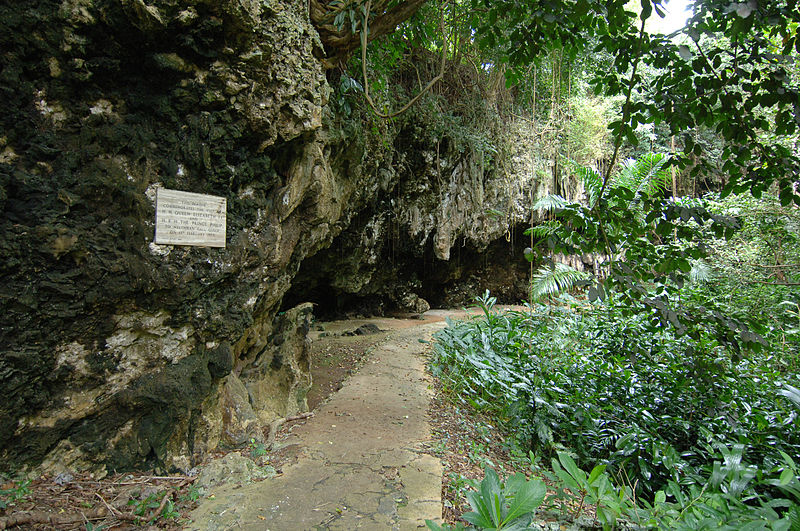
{"points": [[232, 468], [279, 375], [412, 302], [239, 421], [118, 353], [450, 227]]}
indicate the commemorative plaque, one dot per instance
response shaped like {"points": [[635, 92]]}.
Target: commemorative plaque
{"points": [[185, 218]]}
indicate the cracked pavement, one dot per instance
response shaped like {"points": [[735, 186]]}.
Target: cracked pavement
{"points": [[362, 457]]}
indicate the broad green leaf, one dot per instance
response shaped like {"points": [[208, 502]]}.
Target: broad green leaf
{"points": [[513, 484], [491, 494], [782, 525], [789, 461], [518, 525], [571, 467], [527, 499], [595, 473], [478, 520], [497, 508], [480, 515]]}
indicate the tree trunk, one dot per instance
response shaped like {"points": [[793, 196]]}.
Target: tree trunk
{"points": [[339, 44], [674, 177]]}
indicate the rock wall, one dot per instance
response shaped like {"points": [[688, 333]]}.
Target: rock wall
{"points": [[117, 353], [449, 227]]}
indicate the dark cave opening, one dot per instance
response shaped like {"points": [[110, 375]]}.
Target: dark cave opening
{"points": [[340, 283]]}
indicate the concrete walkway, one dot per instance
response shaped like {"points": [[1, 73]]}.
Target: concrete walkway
{"points": [[362, 463]]}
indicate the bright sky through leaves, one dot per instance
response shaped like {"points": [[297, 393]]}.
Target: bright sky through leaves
{"points": [[677, 14]]}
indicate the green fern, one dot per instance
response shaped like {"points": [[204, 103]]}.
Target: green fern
{"points": [[549, 281], [550, 202], [645, 174], [792, 393], [701, 272], [591, 179], [544, 229]]}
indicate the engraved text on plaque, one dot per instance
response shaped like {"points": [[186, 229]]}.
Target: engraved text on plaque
{"points": [[184, 218]]}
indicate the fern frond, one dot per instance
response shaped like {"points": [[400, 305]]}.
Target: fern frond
{"points": [[645, 174], [791, 392], [544, 229], [550, 202], [592, 181], [701, 272], [550, 281]]}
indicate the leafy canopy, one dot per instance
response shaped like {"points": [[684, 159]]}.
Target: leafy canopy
{"points": [[732, 68]]}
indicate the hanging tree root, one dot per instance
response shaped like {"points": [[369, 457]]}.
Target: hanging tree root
{"points": [[439, 77]]}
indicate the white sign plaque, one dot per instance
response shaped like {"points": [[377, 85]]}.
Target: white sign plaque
{"points": [[184, 218]]}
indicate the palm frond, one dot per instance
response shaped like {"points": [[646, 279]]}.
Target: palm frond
{"points": [[645, 174], [552, 280], [550, 202]]}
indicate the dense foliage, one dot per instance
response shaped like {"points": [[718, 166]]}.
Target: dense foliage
{"points": [[725, 86], [734, 71], [756, 272], [676, 408], [644, 247], [657, 409]]}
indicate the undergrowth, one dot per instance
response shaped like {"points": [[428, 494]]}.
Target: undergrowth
{"points": [[679, 433]]}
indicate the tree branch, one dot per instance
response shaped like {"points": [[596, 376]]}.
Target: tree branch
{"points": [[27, 518], [364, 32], [626, 114], [339, 44]]}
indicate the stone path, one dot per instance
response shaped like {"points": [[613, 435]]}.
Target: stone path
{"points": [[363, 461]]}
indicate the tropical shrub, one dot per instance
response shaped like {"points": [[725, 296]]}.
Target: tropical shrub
{"points": [[501, 505], [618, 390]]}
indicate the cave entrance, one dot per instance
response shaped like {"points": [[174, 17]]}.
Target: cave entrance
{"points": [[346, 281]]}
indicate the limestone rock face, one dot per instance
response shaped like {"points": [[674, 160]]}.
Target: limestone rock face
{"points": [[117, 353], [276, 372], [450, 228]]}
